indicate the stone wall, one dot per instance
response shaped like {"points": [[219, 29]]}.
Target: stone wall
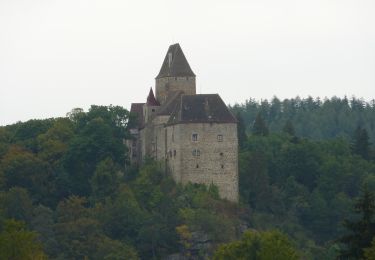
{"points": [[209, 159], [166, 85]]}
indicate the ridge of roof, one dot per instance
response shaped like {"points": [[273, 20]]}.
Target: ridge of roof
{"points": [[175, 64]]}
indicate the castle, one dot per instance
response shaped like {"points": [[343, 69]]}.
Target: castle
{"points": [[193, 135]]}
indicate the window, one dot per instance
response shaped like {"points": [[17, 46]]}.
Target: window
{"points": [[219, 138], [221, 154], [197, 166], [174, 153], [194, 137], [196, 152], [222, 166], [153, 110]]}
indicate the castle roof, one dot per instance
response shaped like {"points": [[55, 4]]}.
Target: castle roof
{"points": [[203, 108], [175, 64], [173, 99], [151, 100]]}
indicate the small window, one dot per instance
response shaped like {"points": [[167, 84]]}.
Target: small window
{"points": [[221, 154], [196, 152], [219, 138], [194, 137], [197, 166], [222, 166], [153, 110]]}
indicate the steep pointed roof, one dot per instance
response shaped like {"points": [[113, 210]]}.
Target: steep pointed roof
{"points": [[175, 64], [151, 100]]}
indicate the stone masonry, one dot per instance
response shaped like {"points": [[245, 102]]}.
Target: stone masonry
{"points": [[193, 136]]}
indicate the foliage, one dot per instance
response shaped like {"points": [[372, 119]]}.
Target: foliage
{"points": [[300, 172], [316, 119], [362, 231], [254, 245], [18, 243], [369, 252]]}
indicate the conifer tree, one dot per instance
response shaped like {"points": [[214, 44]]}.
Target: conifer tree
{"points": [[289, 128], [361, 231], [260, 127], [361, 143], [241, 130]]}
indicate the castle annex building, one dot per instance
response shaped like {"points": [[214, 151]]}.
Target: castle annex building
{"points": [[193, 135]]}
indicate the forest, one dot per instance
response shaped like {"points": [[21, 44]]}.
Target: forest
{"points": [[307, 182]]}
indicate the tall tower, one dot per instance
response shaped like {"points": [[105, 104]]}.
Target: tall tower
{"points": [[175, 75]]}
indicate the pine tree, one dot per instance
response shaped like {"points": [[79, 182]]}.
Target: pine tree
{"points": [[362, 231], [241, 130], [260, 127], [289, 128], [361, 143]]}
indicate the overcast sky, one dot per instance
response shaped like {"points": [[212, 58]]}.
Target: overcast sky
{"points": [[56, 55]]}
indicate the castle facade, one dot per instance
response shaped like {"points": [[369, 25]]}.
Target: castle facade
{"points": [[193, 135]]}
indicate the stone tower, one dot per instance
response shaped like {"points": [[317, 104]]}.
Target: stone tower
{"points": [[193, 137], [175, 75]]}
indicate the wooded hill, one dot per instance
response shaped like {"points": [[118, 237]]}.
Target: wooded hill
{"points": [[305, 166]]}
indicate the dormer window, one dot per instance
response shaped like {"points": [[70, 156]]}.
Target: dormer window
{"points": [[194, 137]]}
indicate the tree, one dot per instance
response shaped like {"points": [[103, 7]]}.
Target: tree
{"points": [[22, 168], [361, 231], [241, 130], [17, 243], [258, 245], [289, 128], [104, 181], [361, 143], [43, 223], [77, 232], [100, 135], [16, 204], [370, 251], [260, 127]]}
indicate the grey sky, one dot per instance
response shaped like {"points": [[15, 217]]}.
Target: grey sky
{"points": [[59, 54]]}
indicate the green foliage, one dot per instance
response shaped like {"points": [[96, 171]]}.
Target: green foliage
{"points": [[289, 128], [23, 168], [369, 252], [66, 179], [253, 245], [361, 144], [362, 231], [104, 182], [241, 130], [312, 118], [260, 127], [18, 243], [16, 204]]}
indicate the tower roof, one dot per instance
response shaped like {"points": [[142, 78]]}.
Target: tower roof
{"points": [[175, 64], [151, 100]]}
